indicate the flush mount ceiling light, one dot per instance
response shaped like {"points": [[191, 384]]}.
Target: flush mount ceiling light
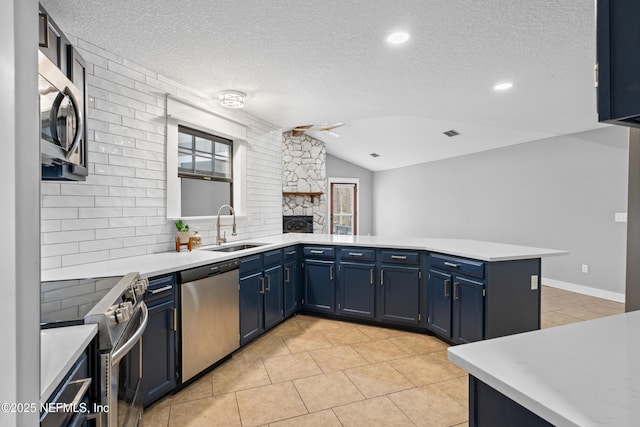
{"points": [[398, 37], [232, 98], [503, 86]]}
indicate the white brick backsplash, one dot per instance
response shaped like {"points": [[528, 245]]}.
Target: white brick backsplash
{"points": [[58, 213], [69, 236], [115, 201], [83, 224], [99, 245], [120, 210], [112, 233], [99, 212]]}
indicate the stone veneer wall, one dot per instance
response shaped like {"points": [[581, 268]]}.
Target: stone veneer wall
{"points": [[304, 170]]}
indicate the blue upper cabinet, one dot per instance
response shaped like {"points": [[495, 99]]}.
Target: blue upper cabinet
{"points": [[618, 67]]}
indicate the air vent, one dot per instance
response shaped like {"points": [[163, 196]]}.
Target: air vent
{"points": [[451, 133], [374, 155]]}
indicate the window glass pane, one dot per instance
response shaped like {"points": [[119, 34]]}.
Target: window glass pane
{"points": [[205, 145], [222, 150], [204, 164], [185, 160], [203, 198], [185, 141], [223, 168]]}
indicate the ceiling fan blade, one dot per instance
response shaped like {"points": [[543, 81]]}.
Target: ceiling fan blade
{"points": [[337, 125], [299, 130]]}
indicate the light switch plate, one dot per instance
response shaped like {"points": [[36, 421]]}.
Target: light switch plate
{"points": [[621, 217], [534, 282]]}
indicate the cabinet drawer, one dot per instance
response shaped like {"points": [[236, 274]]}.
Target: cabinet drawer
{"points": [[461, 265], [272, 258], [161, 287], [357, 254], [400, 257], [250, 265], [318, 252], [290, 252]]}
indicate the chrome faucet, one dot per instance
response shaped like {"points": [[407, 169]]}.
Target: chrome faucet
{"points": [[223, 239]]}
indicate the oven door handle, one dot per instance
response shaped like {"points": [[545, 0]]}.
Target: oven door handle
{"points": [[126, 347]]}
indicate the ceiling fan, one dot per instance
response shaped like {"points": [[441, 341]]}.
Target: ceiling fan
{"points": [[299, 130]]}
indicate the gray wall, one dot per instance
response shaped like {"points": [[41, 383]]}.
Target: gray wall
{"points": [[19, 183], [338, 168], [558, 193]]}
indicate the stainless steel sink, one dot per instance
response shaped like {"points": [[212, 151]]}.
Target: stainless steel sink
{"points": [[234, 248]]}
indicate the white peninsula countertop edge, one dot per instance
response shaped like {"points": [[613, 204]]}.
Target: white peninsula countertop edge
{"points": [[582, 374], [167, 262]]}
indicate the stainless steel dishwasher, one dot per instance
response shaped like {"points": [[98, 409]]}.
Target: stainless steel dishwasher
{"points": [[210, 315]]}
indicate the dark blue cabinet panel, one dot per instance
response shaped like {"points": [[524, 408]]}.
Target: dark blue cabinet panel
{"points": [[273, 297], [159, 353], [399, 295], [319, 285], [356, 289], [468, 310], [251, 307], [292, 292], [439, 286]]}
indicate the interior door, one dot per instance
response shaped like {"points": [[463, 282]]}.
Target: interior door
{"points": [[344, 208]]}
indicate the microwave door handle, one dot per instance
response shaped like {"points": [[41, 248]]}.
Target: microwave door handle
{"points": [[53, 119], [79, 123], [126, 347]]}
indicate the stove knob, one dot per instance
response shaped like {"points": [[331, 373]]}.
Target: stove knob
{"points": [[124, 312], [140, 286], [130, 294]]}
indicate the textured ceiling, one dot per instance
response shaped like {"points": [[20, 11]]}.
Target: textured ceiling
{"points": [[314, 62]]}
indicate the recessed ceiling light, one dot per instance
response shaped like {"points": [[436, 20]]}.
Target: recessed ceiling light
{"points": [[398, 37], [503, 86]]}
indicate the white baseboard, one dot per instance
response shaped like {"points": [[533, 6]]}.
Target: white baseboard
{"points": [[586, 290]]}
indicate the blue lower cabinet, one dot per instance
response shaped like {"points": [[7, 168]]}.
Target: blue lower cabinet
{"points": [[159, 353], [468, 310], [292, 290], [399, 295], [319, 286], [356, 290], [439, 316], [252, 288], [273, 297]]}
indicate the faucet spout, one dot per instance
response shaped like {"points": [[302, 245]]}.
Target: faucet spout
{"points": [[223, 239]]}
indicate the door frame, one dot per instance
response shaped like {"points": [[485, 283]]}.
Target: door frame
{"points": [[336, 180]]}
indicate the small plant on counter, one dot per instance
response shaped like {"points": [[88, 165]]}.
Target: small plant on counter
{"points": [[181, 226]]}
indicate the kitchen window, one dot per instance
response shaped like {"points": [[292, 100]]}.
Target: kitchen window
{"points": [[205, 169]]}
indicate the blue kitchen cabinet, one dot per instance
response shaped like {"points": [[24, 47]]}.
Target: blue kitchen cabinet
{"points": [[399, 287], [273, 296], [319, 285], [356, 290], [468, 310], [291, 281], [159, 340], [251, 306], [439, 308]]}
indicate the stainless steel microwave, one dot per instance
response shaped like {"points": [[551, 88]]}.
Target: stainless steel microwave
{"points": [[62, 124]]}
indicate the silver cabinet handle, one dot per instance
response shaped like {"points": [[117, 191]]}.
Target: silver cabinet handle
{"points": [[288, 271], [451, 264], [355, 253], [262, 282], [291, 253], [175, 320], [316, 252], [159, 290], [455, 290], [371, 276], [331, 272], [269, 282], [445, 286], [398, 257], [381, 277]]}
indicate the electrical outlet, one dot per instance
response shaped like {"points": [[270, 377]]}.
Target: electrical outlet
{"points": [[621, 217], [585, 268], [534, 282]]}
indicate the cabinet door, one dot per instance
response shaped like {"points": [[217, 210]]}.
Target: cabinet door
{"points": [[319, 285], [468, 310], [159, 353], [251, 307], [273, 298], [439, 303], [291, 287], [399, 295], [356, 289]]}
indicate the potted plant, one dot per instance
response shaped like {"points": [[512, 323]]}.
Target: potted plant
{"points": [[183, 231]]}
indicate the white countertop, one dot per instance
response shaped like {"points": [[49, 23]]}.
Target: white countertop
{"points": [[166, 262], [59, 350], [582, 374]]}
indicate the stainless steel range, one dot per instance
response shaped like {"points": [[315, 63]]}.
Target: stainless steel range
{"points": [[115, 305]]}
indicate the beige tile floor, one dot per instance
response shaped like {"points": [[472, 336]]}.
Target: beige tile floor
{"points": [[318, 372]]}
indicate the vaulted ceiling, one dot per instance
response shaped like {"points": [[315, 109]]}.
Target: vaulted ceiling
{"points": [[322, 62]]}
